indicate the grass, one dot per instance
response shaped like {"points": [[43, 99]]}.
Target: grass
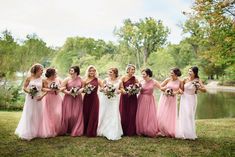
{"points": [[216, 139]]}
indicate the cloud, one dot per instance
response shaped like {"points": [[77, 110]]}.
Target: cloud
{"points": [[55, 20]]}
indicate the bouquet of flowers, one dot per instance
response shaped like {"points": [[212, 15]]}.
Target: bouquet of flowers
{"points": [[196, 84], [54, 87], [88, 89], [133, 89], [33, 91], [109, 90], [74, 91], [169, 92]]}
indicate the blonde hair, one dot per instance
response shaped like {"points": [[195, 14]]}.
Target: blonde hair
{"points": [[129, 66], [87, 71], [34, 68]]}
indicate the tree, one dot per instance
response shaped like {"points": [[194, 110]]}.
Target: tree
{"points": [[212, 32], [33, 50], [145, 37], [8, 49]]}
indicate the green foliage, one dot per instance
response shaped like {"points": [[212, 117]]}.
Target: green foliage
{"points": [[11, 98], [145, 37], [212, 35], [83, 52], [8, 50], [161, 62]]}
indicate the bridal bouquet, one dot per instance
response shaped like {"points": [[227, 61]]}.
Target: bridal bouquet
{"points": [[88, 89], [196, 84], [133, 89], [54, 87], [74, 91], [109, 90], [169, 92], [33, 91]]}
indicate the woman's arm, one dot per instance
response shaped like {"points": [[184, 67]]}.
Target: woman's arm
{"points": [[163, 84], [63, 87], [157, 84], [121, 86], [45, 86], [202, 88], [26, 83]]}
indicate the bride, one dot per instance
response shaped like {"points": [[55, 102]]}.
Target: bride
{"points": [[109, 115]]}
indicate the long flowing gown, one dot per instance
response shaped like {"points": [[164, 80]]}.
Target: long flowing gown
{"points": [[146, 116], [128, 108], [52, 113], [91, 110], [30, 123], [72, 116], [109, 115], [186, 121], [167, 112]]}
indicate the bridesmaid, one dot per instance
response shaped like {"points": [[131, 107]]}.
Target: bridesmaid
{"points": [[72, 118], [146, 116], [167, 112], [30, 123], [128, 103], [52, 104], [91, 103], [188, 104]]}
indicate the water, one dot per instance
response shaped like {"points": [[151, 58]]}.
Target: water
{"points": [[216, 104]]}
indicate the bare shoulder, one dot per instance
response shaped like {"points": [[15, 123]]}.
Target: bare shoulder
{"points": [[28, 79], [123, 78]]}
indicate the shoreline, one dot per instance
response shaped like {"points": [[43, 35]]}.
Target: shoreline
{"points": [[220, 88]]}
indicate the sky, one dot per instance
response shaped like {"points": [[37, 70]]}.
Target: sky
{"points": [[55, 20]]}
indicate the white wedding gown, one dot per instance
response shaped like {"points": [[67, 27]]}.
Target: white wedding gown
{"points": [[186, 121], [30, 123], [109, 116]]}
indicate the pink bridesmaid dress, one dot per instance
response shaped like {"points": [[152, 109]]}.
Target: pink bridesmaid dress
{"points": [[167, 111], [52, 112], [72, 116], [146, 116]]}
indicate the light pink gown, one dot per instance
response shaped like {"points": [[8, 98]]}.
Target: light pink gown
{"points": [[167, 111], [30, 123], [186, 122], [52, 112], [72, 115], [146, 116]]}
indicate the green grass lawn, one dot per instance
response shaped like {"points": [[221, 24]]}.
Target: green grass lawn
{"points": [[216, 139]]}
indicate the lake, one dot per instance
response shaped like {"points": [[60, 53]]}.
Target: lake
{"points": [[216, 104]]}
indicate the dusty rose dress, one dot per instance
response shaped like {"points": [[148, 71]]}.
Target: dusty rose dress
{"points": [[72, 117], [146, 116], [52, 112]]}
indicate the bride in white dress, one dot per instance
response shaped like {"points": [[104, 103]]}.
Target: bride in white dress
{"points": [[29, 126], [109, 116], [188, 103]]}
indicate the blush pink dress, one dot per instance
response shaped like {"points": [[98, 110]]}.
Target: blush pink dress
{"points": [[167, 111]]}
